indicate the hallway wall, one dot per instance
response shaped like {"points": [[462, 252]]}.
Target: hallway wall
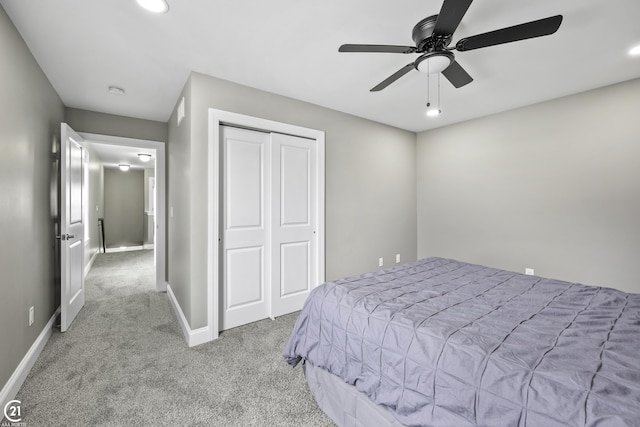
{"points": [[95, 206], [110, 124], [29, 132], [123, 207]]}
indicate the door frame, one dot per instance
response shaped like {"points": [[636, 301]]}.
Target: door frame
{"points": [[217, 118], [160, 244]]}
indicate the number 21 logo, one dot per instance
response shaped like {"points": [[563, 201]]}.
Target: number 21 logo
{"points": [[12, 411]]}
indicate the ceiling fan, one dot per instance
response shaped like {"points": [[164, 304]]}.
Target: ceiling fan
{"points": [[433, 35]]}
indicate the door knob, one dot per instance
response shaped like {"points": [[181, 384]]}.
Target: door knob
{"points": [[65, 237]]}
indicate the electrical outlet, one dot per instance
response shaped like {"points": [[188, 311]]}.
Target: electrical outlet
{"points": [[31, 315], [397, 258], [380, 262], [528, 271]]}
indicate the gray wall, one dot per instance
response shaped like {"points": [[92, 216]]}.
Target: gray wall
{"points": [[148, 173], [554, 186], [95, 204], [123, 207], [109, 124], [178, 202], [29, 128], [149, 217], [370, 183]]}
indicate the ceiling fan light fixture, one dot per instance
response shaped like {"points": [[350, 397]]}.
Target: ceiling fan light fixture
{"points": [[155, 6], [144, 157], [124, 167], [434, 62]]}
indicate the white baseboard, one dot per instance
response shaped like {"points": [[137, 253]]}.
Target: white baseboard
{"points": [[148, 246], [87, 268], [11, 388], [125, 249], [194, 337]]}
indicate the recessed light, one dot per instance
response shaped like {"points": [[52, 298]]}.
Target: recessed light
{"points": [[124, 168], [155, 6], [635, 51], [144, 157], [115, 90]]}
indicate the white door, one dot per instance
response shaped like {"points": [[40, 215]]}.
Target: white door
{"points": [[71, 226], [294, 219], [245, 222]]}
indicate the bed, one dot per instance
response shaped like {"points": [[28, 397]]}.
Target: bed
{"points": [[440, 342]]}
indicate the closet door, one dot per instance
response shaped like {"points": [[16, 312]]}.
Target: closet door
{"points": [[245, 221], [294, 222]]}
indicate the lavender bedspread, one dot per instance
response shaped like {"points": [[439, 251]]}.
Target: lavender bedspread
{"points": [[446, 343]]}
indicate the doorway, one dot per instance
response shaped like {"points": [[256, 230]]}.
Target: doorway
{"points": [[266, 218], [152, 207]]}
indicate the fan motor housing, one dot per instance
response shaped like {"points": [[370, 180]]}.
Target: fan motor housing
{"points": [[422, 35]]}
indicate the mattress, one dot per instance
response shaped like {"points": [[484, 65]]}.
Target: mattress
{"points": [[442, 342]]}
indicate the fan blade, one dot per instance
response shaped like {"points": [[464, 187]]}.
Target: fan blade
{"points": [[450, 15], [393, 77], [457, 75], [529, 30], [376, 48]]}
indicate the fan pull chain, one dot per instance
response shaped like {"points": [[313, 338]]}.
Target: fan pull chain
{"points": [[428, 87], [439, 102]]}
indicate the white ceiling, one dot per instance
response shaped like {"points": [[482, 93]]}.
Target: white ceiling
{"points": [[114, 155], [290, 47]]}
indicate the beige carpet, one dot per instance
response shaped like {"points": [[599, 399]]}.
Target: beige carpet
{"points": [[124, 361]]}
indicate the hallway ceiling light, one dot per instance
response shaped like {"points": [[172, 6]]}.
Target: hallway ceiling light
{"points": [[155, 6], [144, 157], [124, 168]]}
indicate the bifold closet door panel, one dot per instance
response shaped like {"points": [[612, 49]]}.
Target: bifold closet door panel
{"points": [[245, 222], [294, 219]]}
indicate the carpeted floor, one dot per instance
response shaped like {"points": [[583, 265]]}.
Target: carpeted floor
{"points": [[124, 361]]}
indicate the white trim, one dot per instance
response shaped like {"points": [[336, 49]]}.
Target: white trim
{"points": [[87, 267], [126, 249], [160, 242], [11, 388], [213, 232], [193, 337], [216, 117]]}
